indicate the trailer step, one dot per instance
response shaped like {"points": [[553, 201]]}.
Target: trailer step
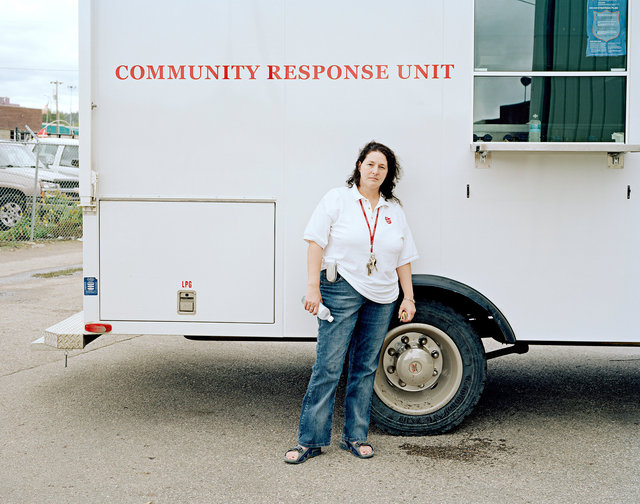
{"points": [[65, 335]]}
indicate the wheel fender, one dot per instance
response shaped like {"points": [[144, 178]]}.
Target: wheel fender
{"points": [[439, 287]]}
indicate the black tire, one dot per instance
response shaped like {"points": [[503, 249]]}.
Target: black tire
{"points": [[11, 210], [431, 374]]}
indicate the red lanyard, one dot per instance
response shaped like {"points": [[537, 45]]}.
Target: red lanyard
{"points": [[371, 235]]}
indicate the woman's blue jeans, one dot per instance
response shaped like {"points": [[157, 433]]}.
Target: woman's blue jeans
{"points": [[364, 324]]}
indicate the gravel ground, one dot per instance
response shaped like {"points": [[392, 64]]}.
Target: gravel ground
{"points": [[167, 420]]}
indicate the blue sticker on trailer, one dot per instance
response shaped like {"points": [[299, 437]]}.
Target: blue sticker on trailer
{"points": [[606, 27], [90, 286]]}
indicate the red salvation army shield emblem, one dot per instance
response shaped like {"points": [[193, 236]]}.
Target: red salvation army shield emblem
{"points": [[388, 220], [606, 25]]}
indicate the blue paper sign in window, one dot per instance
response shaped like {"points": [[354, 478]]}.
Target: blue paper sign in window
{"points": [[606, 27], [90, 286]]}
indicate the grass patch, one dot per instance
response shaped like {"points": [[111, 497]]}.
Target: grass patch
{"points": [[13, 244], [59, 273]]}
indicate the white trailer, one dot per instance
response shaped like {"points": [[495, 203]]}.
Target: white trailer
{"points": [[211, 129]]}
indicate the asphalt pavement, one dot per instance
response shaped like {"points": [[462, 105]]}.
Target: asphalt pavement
{"points": [[140, 419]]}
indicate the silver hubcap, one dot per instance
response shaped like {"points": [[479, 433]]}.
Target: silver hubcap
{"points": [[412, 365], [420, 369], [10, 214]]}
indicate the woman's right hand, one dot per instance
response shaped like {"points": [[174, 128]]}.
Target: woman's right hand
{"points": [[312, 300]]}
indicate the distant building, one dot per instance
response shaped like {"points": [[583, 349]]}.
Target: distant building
{"points": [[13, 119], [6, 101]]}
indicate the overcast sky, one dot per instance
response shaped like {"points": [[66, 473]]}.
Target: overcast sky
{"points": [[39, 44]]}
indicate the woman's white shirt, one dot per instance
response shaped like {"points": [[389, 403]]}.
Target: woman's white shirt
{"points": [[338, 225]]}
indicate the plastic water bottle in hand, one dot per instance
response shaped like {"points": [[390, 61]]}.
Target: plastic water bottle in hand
{"points": [[323, 312]]}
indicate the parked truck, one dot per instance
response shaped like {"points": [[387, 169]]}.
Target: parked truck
{"points": [[210, 130]]}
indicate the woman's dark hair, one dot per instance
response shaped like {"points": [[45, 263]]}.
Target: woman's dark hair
{"points": [[393, 167]]}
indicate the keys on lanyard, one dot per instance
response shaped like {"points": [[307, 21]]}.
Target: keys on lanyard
{"points": [[371, 264]]}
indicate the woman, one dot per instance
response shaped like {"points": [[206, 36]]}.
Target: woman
{"points": [[362, 229]]}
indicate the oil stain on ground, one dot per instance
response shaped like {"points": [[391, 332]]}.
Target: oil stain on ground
{"points": [[467, 450]]}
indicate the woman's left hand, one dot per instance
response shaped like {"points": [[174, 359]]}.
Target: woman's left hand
{"points": [[407, 311]]}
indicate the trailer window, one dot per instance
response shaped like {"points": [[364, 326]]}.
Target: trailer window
{"points": [[564, 62]]}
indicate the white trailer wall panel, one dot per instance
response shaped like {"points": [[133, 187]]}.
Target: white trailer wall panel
{"points": [[550, 238]]}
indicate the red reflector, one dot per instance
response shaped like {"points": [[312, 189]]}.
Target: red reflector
{"points": [[97, 328]]}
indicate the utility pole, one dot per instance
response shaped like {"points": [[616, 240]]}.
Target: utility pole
{"points": [[71, 88], [57, 110]]}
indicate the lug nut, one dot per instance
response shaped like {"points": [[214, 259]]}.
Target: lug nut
{"points": [[401, 383], [435, 354], [391, 369], [391, 352], [405, 339], [435, 372], [423, 341]]}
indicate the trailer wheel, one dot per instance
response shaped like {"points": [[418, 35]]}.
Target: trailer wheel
{"points": [[11, 208], [431, 373]]}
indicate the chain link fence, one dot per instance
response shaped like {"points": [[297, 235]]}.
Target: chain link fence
{"points": [[39, 203]]}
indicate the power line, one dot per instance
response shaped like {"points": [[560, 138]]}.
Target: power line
{"points": [[40, 69]]}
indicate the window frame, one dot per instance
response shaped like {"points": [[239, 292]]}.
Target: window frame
{"points": [[612, 147]]}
